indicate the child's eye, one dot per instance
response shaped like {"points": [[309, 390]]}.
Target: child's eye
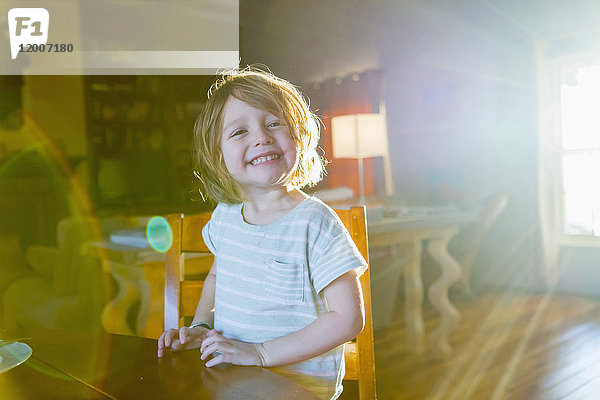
{"points": [[274, 124], [237, 132]]}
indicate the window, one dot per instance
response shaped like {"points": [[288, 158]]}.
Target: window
{"points": [[580, 151]]}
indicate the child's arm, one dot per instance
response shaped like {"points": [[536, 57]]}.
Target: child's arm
{"points": [[343, 322], [185, 338], [206, 305]]}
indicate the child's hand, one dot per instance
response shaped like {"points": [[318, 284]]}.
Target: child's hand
{"points": [[232, 351], [182, 339]]}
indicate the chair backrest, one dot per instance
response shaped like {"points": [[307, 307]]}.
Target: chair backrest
{"points": [[182, 296]]}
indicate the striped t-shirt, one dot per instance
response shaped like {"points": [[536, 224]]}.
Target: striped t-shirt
{"points": [[269, 277]]}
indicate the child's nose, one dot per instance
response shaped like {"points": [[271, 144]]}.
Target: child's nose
{"points": [[262, 137]]}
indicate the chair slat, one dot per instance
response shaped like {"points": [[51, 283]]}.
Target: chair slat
{"points": [[191, 238], [351, 361], [173, 268], [360, 356], [190, 296]]}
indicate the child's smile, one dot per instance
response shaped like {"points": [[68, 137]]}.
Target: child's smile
{"points": [[257, 148], [263, 159]]}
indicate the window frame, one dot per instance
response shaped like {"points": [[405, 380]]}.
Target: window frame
{"points": [[560, 64]]}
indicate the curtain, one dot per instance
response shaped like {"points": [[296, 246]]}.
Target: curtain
{"points": [[550, 181]]}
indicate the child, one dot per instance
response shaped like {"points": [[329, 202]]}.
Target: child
{"points": [[284, 284]]}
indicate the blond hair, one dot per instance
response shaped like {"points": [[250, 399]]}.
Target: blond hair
{"points": [[265, 91]]}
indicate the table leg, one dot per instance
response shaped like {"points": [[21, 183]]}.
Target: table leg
{"points": [[145, 303], [129, 291], [413, 285], [438, 292]]}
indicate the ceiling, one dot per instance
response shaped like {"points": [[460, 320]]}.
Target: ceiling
{"points": [[569, 26], [551, 19], [312, 41]]}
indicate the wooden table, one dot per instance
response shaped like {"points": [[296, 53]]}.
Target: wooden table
{"points": [[94, 365], [35, 379], [412, 231]]}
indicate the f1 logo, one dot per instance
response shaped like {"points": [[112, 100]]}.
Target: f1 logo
{"points": [[27, 26]]}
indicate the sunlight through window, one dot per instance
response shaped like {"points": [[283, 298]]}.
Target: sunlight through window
{"points": [[580, 118]]}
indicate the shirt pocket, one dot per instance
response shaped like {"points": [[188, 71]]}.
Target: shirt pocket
{"points": [[285, 281]]}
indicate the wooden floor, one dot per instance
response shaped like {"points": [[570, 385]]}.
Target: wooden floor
{"points": [[508, 346]]}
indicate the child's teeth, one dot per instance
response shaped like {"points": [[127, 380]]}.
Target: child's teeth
{"points": [[264, 159]]}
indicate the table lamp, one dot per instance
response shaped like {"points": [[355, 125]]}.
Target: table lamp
{"points": [[362, 136]]}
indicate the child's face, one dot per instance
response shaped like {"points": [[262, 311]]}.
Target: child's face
{"points": [[256, 145]]}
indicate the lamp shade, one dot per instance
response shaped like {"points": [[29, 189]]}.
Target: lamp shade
{"points": [[359, 136]]}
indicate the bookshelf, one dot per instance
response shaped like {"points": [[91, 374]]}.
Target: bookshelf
{"points": [[140, 137]]}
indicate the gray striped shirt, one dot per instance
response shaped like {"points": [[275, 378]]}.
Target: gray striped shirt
{"points": [[270, 277]]}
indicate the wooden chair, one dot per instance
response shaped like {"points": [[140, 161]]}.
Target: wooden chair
{"points": [[182, 296]]}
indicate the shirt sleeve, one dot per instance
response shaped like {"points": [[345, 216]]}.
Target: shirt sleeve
{"points": [[334, 254], [209, 232]]}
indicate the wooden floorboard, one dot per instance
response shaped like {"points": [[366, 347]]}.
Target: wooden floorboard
{"points": [[507, 346]]}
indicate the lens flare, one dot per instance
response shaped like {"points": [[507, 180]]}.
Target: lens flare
{"points": [[159, 233]]}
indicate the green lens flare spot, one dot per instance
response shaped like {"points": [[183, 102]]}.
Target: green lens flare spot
{"points": [[159, 233]]}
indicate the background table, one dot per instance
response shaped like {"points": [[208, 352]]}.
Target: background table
{"points": [[412, 231], [140, 277], [94, 365]]}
